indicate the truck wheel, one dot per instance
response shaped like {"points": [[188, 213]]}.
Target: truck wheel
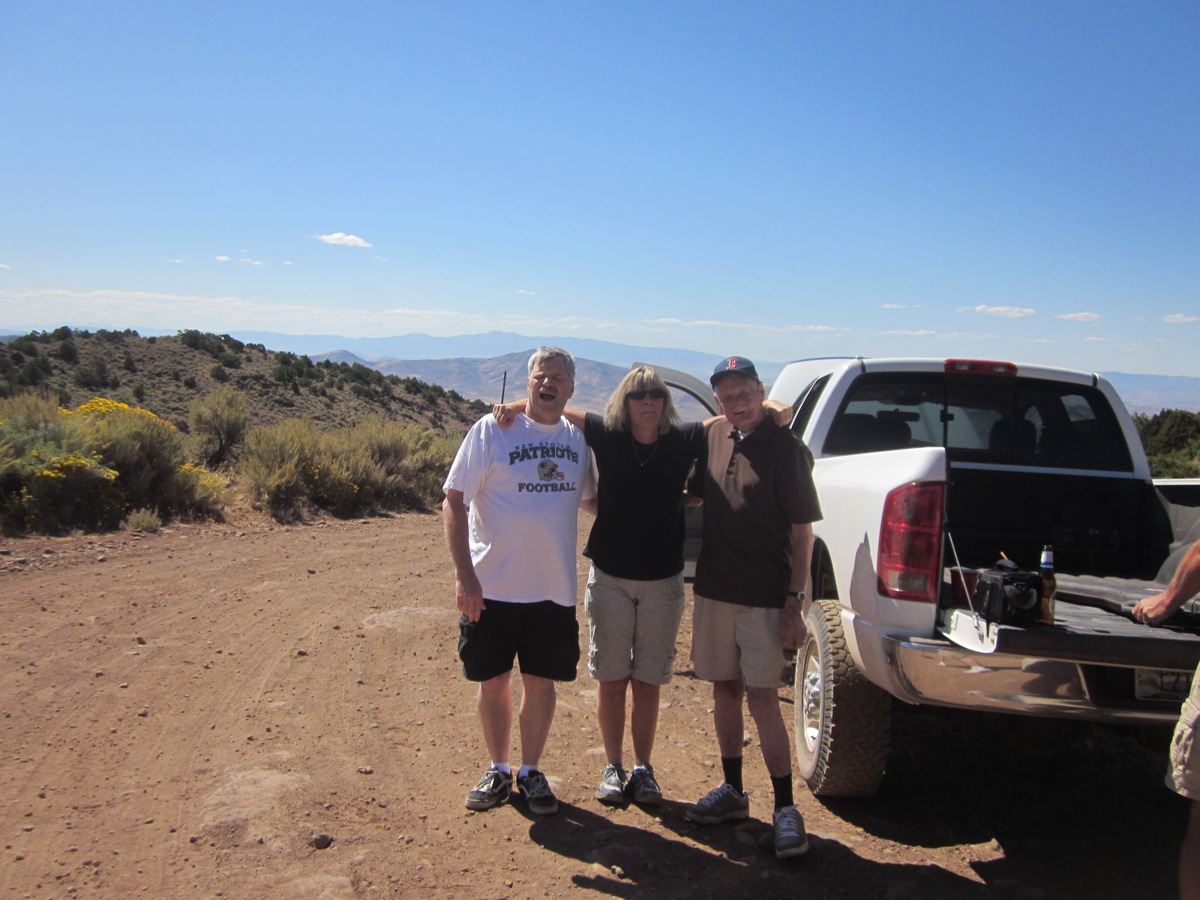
{"points": [[843, 721]]}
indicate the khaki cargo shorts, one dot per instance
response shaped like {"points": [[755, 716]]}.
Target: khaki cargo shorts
{"points": [[731, 642], [632, 626], [1184, 777]]}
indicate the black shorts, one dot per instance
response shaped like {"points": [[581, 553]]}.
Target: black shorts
{"points": [[543, 637]]}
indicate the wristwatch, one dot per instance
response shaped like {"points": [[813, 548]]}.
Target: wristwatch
{"points": [[799, 595]]}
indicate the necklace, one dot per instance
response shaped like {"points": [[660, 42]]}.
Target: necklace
{"points": [[642, 462]]}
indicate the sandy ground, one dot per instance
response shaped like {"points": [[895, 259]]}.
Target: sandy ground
{"points": [[186, 714]]}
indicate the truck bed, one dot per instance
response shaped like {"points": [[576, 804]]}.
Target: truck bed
{"points": [[1084, 631]]}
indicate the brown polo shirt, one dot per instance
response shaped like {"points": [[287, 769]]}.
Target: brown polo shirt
{"points": [[755, 488]]}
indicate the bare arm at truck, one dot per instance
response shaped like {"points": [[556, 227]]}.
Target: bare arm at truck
{"points": [[791, 621], [1185, 585]]}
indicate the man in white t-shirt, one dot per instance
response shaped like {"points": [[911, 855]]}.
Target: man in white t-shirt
{"points": [[511, 512]]}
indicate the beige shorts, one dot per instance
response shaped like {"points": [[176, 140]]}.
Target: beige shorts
{"points": [[731, 642], [632, 626], [1184, 777]]}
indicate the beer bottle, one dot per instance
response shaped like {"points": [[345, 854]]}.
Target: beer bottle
{"points": [[1049, 586]]}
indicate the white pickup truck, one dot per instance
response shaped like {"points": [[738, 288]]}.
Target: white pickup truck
{"points": [[923, 465]]}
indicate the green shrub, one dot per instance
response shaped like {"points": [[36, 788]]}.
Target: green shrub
{"points": [[95, 376], [295, 468], [145, 450], [272, 466], [91, 467], [49, 480], [220, 420], [1172, 441], [142, 520]]}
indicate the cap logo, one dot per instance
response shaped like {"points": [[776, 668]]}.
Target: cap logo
{"points": [[731, 363]]}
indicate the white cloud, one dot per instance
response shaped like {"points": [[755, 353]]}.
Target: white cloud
{"points": [[1000, 312], [1097, 340], [903, 333], [252, 262], [1179, 319], [791, 329], [962, 336], [899, 305], [527, 293], [1079, 317], [341, 239], [662, 321], [223, 259], [5, 266]]}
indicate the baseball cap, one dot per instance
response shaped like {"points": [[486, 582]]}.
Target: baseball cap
{"points": [[733, 365]]}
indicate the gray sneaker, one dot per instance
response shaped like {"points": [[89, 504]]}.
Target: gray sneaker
{"points": [[612, 786], [719, 805], [642, 786], [790, 838], [493, 789], [538, 796]]}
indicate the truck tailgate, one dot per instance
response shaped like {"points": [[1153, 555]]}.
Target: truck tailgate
{"points": [[1083, 634]]}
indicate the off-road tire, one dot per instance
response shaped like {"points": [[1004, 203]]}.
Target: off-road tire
{"points": [[843, 721]]}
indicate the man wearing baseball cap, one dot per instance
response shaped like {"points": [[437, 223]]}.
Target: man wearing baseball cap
{"points": [[759, 506]]}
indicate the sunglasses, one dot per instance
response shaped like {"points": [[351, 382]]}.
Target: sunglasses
{"points": [[652, 393]]}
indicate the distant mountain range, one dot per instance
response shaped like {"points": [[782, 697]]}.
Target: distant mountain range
{"points": [[487, 346], [474, 365]]}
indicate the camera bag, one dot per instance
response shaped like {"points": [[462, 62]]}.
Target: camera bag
{"points": [[1006, 594]]}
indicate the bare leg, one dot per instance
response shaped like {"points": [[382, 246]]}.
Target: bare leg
{"points": [[538, 701], [494, 704], [644, 720], [610, 710], [772, 732]]}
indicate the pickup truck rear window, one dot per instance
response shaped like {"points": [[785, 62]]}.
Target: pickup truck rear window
{"points": [[1003, 420]]}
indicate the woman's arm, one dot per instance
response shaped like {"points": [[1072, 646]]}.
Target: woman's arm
{"points": [[506, 413]]}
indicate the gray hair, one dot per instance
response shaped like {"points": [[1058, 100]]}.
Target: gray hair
{"points": [[545, 354]]}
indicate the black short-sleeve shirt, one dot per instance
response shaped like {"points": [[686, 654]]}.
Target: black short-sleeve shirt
{"points": [[755, 488], [638, 532]]}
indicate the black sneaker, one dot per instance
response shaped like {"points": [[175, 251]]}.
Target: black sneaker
{"points": [[642, 786], [790, 836], [612, 786], [538, 796], [719, 805], [493, 789]]}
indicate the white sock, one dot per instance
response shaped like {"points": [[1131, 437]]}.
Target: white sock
{"points": [[503, 767]]}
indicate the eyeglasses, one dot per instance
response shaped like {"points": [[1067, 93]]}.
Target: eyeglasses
{"points": [[652, 393], [737, 399]]}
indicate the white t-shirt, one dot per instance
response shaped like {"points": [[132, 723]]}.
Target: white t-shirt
{"points": [[523, 485]]}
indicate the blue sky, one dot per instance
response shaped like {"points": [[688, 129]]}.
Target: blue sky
{"points": [[1011, 180]]}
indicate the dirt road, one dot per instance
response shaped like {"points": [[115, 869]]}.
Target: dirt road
{"points": [[186, 714]]}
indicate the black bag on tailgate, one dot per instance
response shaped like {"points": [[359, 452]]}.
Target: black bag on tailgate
{"points": [[1006, 594]]}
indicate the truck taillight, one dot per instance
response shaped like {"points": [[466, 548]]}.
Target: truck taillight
{"points": [[910, 543]]}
